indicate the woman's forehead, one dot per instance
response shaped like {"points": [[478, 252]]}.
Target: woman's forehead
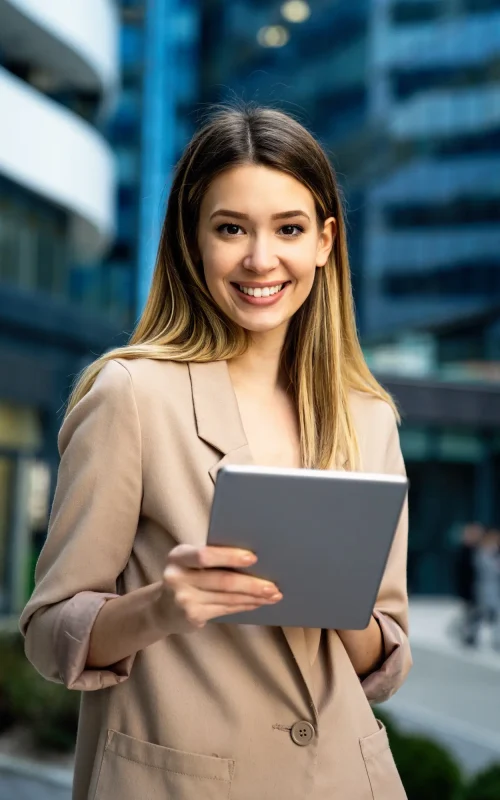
{"points": [[254, 189]]}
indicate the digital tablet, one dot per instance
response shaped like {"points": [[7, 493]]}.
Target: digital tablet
{"points": [[322, 536]]}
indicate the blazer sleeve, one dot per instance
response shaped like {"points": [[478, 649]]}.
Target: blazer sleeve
{"points": [[391, 607], [92, 527]]}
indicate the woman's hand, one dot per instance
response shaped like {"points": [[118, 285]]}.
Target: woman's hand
{"points": [[199, 583]]}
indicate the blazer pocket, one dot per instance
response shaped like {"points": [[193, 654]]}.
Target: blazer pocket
{"points": [[382, 771], [135, 770]]}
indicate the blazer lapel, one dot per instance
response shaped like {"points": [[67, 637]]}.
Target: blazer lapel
{"points": [[218, 420], [298, 644], [219, 424]]}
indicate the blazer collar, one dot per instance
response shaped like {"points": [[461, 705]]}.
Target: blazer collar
{"points": [[219, 424], [218, 420]]}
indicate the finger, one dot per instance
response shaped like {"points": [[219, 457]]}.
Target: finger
{"points": [[224, 598], [208, 557], [219, 580], [224, 610]]}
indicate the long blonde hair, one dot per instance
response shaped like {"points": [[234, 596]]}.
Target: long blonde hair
{"points": [[322, 356]]}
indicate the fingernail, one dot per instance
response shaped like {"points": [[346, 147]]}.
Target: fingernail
{"points": [[269, 590], [249, 558], [276, 597]]}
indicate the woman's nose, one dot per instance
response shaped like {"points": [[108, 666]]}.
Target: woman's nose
{"points": [[261, 257]]}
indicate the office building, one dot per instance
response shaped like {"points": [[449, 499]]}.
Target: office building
{"points": [[431, 288], [153, 122], [308, 59], [59, 75]]}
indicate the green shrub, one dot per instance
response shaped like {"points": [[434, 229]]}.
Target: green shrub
{"points": [[48, 709], [485, 785], [11, 650], [6, 716], [427, 769]]}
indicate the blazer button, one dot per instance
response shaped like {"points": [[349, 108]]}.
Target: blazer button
{"points": [[302, 733]]}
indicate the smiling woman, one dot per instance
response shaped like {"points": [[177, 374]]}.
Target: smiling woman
{"points": [[247, 352], [253, 259]]}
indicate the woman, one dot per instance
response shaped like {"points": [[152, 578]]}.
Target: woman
{"points": [[246, 353]]}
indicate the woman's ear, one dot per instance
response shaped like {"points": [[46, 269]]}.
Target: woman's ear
{"points": [[326, 240]]}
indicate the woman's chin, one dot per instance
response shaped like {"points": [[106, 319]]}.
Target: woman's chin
{"points": [[262, 327]]}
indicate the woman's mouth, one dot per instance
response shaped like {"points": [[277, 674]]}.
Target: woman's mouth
{"points": [[260, 295]]}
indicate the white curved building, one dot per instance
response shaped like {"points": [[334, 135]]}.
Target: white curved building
{"points": [[60, 302], [62, 60]]}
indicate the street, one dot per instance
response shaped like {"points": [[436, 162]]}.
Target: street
{"points": [[18, 787], [452, 693]]}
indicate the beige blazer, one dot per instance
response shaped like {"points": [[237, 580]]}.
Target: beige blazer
{"points": [[238, 712]]}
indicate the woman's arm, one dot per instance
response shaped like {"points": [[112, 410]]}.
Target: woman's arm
{"points": [[124, 625], [381, 653], [365, 648], [199, 583], [92, 527]]}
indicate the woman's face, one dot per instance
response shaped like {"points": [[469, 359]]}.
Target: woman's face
{"points": [[260, 245]]}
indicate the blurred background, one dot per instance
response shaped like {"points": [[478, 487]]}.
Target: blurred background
{"points": [[97, 100]]}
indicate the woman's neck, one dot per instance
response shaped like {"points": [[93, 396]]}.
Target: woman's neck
{"points": [[258, 370]]}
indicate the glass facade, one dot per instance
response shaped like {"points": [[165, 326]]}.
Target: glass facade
{"points": [[36, 258], [432, 238], [152, 124], [124, 133], [314, 69], [34, 244]]}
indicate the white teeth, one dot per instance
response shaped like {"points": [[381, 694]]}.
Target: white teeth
{"points": [[266, 291]]}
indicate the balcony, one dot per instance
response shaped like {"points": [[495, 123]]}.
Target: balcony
{"points": [[75, 41], [50, 151]]}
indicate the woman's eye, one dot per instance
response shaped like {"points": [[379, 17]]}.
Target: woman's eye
{"points": [[229, 228], [292, 230]]}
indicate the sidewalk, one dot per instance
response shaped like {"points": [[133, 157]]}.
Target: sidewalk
{"points": [[433, 625], [452, 692]]}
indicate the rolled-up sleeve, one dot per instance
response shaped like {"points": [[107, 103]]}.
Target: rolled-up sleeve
{"points": [[391, 607], [92, 528]]}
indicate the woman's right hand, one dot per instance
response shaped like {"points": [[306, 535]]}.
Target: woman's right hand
{"points": [[199, 583]]}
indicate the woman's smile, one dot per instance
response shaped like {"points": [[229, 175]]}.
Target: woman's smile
{"points": [[260, 294]]}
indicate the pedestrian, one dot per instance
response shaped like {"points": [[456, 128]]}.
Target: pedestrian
{"points": [[488, 581], [467, 582], [246, 352]]}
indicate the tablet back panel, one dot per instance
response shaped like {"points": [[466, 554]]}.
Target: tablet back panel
{"points": [[322, 536]]}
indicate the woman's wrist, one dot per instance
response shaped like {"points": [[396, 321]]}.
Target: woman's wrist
{"points": [[126, 624]]}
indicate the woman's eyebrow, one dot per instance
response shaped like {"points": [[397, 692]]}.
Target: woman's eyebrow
{"points": [[225, 212]]}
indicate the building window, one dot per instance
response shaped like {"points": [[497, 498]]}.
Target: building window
{"points": [[461, 211], [407, 13], [486, 141], [33, 243], [408, 82], [462, 280], [479, 6]]}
